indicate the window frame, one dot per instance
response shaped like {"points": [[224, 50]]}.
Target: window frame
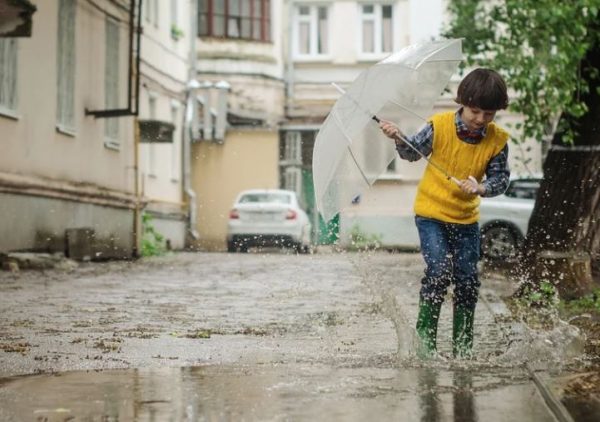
{"points": [[151, 168], [175, 148], [151, 12], [377, 18], [313, 20], [112, 82], [260, 24], [66, 66], [292, 148], [292, 180], [9, 103]]}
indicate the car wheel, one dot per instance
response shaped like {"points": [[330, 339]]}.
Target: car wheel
{"points": [[231, 247], [499, 243]]}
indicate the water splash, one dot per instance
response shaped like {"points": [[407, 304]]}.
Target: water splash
{"points": [[545, 349], [391, 308], [514, 343]]}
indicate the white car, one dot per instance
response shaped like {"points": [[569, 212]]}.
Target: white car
{"points": [[504, 219], [268, 218]]}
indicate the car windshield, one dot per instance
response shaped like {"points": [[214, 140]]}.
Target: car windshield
{"points": [[525, 189], [278, 198]]}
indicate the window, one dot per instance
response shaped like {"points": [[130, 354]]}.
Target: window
{"points": [[292, 179], [8, 74], [310, 31], [151, 12], [174, 14], [523, 188], [293, 148], [273, 198], [376, 33], [151, 146], [175, 149], [243, 19], [65, 107], [111, 81]]}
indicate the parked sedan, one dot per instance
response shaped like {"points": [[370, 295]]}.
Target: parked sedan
{"points": [[504, 219], [268, 218]]}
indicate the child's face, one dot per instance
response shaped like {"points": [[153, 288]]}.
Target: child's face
{"points": [[476, 118]]}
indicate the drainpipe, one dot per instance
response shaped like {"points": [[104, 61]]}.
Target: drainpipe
{"points": [[223, 88], [190, 128], [137, 221], [289, 74], [187, 138]]}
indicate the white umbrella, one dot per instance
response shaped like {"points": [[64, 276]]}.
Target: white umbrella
{"points": [[350, 151]]}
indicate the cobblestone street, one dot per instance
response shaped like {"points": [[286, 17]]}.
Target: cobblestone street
{"points": [[324, 334]]}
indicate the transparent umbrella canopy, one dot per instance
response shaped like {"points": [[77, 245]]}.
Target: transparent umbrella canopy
{"points": [[350, 151]]}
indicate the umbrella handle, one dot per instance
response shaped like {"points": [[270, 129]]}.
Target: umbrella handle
{"points": [[444, 172]]}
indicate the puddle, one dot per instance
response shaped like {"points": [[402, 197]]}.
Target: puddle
{"points": [[271, 392]]}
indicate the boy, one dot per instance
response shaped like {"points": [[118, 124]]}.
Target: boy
{"points": [[468, 145]]}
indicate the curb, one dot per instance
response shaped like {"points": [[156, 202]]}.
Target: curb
{"points": [[559, 411]]}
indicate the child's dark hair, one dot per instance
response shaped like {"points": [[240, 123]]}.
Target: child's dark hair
{"points": [[484, 89]]}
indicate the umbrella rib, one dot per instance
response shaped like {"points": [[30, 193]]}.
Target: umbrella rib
{"points": [[407, 109], [358, 166], [341, 127]]}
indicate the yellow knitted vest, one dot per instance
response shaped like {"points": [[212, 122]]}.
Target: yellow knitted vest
{"points": [[440, 198]]}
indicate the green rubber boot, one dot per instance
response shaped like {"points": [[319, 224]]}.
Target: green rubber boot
{"points": [[462, 332], [427, 323]]}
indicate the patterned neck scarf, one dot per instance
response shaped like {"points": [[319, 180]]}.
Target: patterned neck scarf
{"points": [[463, 132]]}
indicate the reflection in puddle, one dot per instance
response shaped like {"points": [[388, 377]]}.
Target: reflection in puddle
{"points": [[271, 392]]}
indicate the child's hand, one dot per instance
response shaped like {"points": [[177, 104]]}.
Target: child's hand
{"points": [[472, 186], [389, 129]]}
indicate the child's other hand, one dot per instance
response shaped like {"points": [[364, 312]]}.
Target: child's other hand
{"points": [[389, 129], [472, 186]]}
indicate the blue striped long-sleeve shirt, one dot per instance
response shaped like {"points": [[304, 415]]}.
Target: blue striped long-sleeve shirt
{"points": [[497, 172]]}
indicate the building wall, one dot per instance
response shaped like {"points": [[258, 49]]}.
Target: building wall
{"points": [[38, 223], [246, 160], [164, 74], [74, 177], [248, 156]]}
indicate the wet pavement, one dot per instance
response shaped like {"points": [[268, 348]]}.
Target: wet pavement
{"points": [[256, 337]]}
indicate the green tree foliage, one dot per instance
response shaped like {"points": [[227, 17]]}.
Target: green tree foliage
{"points": [[539, 46]]}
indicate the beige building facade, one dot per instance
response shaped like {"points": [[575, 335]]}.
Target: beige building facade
{"points": [[259, 75], [61, 169], [73, 179], [247, 159], [240, 67], [164, 69]]}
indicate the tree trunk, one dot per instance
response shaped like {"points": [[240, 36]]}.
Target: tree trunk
{"points": [[566, 217]]}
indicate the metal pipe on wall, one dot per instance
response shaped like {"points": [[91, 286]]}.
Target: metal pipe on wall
{"points": [[191, 124]]}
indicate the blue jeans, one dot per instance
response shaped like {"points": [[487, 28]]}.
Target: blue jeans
{"points": [[451, 252]]}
